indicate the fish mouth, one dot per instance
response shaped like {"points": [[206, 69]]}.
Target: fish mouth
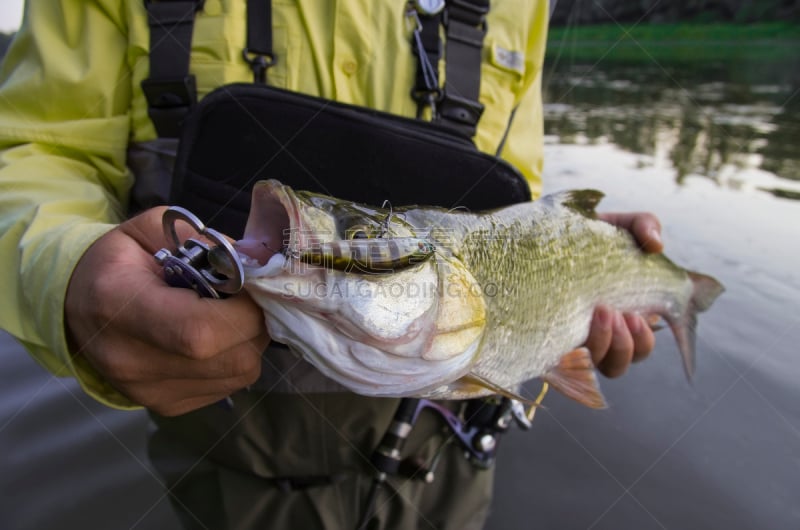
{"points": [[275, 223]]}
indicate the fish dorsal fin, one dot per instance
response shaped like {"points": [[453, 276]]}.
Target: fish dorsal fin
{"points": [[583, 202], [575, 377], [472, 379]]}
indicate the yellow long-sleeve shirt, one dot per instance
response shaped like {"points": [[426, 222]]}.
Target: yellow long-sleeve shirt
{"points": [[71, 103]]}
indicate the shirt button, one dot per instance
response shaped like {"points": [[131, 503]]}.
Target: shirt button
{"points": [[349, 67], [212, 8]]}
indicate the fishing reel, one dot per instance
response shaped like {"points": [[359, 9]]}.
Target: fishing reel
{"points": [[485, 420]]}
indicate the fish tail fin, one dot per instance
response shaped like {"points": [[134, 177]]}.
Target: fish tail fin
{"points": [[706, 289], [575, 377]]}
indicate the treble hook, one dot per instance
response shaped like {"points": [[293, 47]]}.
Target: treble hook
{"points": [[385, 223]]}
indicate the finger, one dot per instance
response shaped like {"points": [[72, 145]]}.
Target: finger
{"points": [[148, 231], [643, 339], [179, 321], [143, 364], [620, 352], [169, 318], [184, 406], [645, 228], [168, 392], [599, 338], [126, 294], [174, 378]]}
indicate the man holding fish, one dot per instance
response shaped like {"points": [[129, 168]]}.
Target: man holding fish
{"points": [[87, 299]]}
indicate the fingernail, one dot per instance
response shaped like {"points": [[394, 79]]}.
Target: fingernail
{"points": [[619, 322], [655, 237], [634, 324], [603, 316]]}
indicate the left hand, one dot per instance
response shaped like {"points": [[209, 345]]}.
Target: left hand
{"points": [[616, 339]]}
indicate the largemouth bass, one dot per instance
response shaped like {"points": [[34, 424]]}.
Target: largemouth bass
{"points": [[426, 302]]}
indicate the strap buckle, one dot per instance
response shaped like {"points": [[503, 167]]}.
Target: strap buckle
{"points": [[259, 64], [461, 111], [467, 12], [168, 102], [170, 93]]}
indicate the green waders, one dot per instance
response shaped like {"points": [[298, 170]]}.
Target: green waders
{"points": [[301, 461]]}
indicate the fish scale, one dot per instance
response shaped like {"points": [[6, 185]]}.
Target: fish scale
{"points": [[567, 264]]}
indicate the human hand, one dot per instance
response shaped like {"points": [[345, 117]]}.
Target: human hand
{"points": [[616, 339], [164, 348]]}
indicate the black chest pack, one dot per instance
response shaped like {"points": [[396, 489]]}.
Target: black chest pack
{"points": [[241, 133]]}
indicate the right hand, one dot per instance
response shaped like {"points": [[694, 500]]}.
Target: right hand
{"points": [[616, 339], [164, 348]]}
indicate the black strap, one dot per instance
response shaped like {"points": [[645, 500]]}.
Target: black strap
{"points": [[465, 24], [258, 52], [424, 93], [456, 107], [171, 91]]}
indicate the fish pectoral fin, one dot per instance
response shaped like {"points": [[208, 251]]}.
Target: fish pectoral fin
{"points": [[575, 377], [475, 380], [654, 322]]}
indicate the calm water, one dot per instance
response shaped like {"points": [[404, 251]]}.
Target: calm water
{"points": [[712, 149]]}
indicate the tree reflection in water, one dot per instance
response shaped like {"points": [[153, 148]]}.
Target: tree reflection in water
{"points": [[709, 119]]}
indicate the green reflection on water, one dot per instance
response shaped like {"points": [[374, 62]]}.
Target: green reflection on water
{"points": [[685, 42], [720, 118]]}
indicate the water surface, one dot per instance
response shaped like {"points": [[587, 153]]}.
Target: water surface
{"points": [[712, 149]]}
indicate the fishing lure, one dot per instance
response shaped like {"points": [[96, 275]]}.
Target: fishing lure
{"points": [[375, 255]]}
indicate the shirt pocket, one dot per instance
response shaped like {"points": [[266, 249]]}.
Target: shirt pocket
{"points": [[287, 44], [502, 74]]}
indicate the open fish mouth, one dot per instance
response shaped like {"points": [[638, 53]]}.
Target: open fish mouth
{"points": [[279, 227]]}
